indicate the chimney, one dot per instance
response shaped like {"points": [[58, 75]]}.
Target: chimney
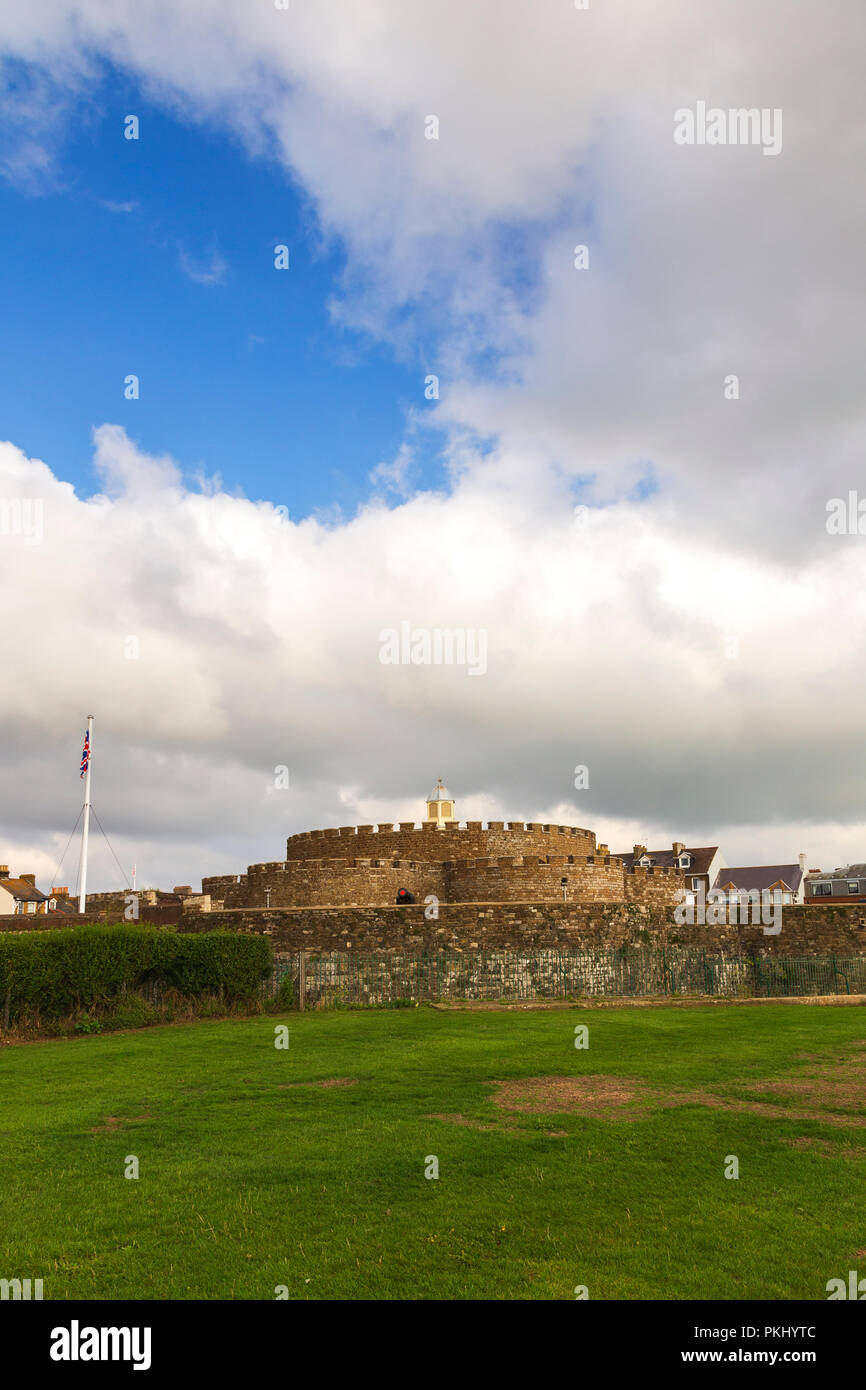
{"points": [[639, 850], [677, 847], [59, 893], [4, 870], [802, 863], [28, 878]]}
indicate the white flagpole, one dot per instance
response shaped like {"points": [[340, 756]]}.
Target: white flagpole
{"points": [[82, 899]]}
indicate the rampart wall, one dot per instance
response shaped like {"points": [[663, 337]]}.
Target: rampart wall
{"points": [[505, 878], [425, 842], [587, 926]]}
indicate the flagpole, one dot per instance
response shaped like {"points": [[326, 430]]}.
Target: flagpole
{"points": [[82, 899]]}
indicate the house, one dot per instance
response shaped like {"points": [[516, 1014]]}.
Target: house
{"points": [[700, 865], [845, 885], [60, 901], [20, 895], [788, 880]]}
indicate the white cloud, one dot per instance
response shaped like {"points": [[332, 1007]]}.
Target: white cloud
{"points": [[258, 642], [607, 644], [209, 272]]}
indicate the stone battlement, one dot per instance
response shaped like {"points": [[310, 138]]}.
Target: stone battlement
{"points": [[427, 842], [429, 827]]}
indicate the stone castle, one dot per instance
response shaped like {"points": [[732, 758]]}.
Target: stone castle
{"points": [[444, 859]]}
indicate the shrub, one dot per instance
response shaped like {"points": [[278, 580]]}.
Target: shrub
{"points": [[58, 972]]}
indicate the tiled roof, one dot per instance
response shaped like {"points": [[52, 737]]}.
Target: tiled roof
{"points": [[847, 871], [701, 858], [761, 876], [25, 892]]}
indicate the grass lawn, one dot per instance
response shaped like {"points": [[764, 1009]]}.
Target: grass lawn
{"points": [[601, 1167]]}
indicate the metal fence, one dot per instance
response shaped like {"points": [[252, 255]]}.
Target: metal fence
{"points": [[346, 979]]}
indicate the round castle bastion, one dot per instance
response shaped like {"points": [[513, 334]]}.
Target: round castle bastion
{"points": [[444, 858]]}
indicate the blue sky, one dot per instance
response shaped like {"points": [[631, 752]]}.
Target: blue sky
{"points": [[247, 377]]}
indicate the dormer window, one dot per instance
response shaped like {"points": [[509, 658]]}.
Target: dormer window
{"points": [[685, 861]]}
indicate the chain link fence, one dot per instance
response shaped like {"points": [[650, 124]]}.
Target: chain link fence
{"points": [[350, 980]]}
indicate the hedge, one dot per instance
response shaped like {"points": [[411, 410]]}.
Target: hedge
{"points": [[54, 973]]}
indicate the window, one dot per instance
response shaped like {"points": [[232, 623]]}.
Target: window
{"points": [[854, 886], [822, 890], [685, 861], [696, 883]]}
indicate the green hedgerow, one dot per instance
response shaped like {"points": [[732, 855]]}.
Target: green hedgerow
{"points": [[55, 973]]}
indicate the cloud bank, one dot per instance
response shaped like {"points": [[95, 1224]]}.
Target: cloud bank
{"points": [[694, 636]]}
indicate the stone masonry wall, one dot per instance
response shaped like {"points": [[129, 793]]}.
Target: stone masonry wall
{"points": [[426, 842], [806, 931], [339, 882], [371, 883]]}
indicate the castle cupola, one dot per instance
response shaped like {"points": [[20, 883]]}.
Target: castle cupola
{"points": [[440, 807]]}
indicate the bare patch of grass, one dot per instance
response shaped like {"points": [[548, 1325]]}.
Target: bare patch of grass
{"points": [[603, 1097]]}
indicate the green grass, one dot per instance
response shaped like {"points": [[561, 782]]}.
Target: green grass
{"points": [[245, 1185]]}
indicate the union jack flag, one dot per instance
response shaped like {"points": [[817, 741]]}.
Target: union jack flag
{"points": [[85, 754]]}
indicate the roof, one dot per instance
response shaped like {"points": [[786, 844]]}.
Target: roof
{"points": [[23, 891], [63, 905], [440, 793], [761, 876], [701, 858], [847, 871]]}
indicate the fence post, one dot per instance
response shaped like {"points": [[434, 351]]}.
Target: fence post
{"points": [[302, 979], [835, 976]]}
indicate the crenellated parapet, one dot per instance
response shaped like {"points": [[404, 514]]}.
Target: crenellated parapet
{"points": [[427, 842]]}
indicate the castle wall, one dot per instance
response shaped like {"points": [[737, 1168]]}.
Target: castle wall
{"points": [[362, 882], [529, 879], [334, 882], [806, 931], [658, 886], [426, 842]]}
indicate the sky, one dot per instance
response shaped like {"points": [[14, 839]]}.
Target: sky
{"points": [[613, 470]]}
